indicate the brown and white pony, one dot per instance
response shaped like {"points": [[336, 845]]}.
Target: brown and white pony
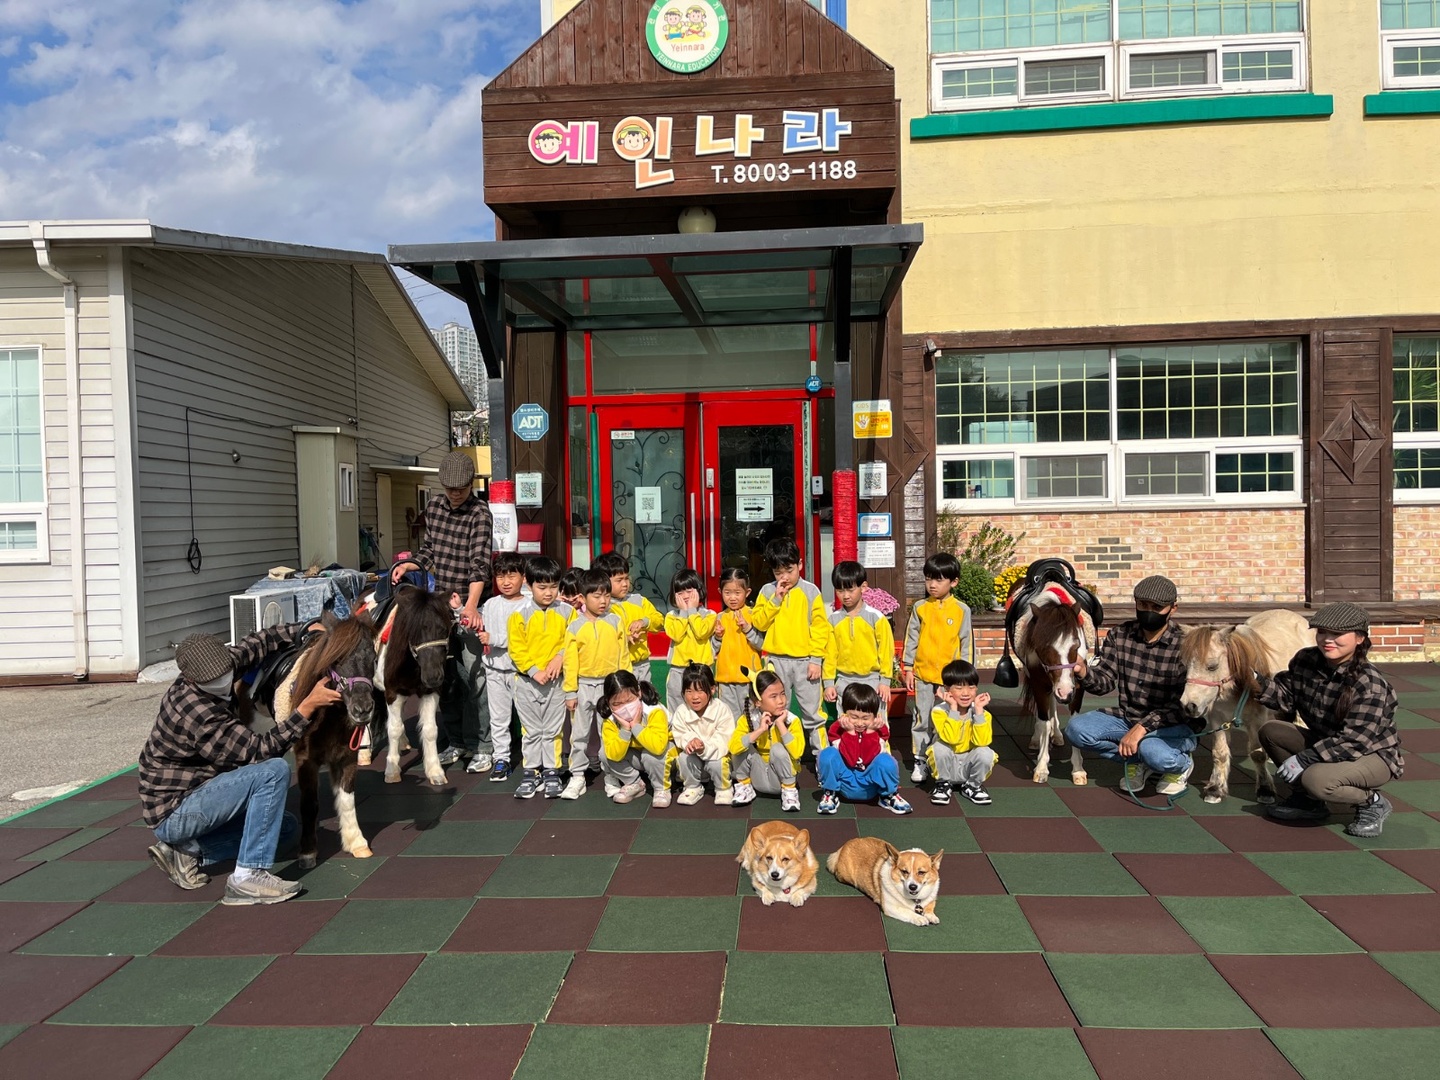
{"points": [[1051, 635], [414, 646], [1221, 663]]}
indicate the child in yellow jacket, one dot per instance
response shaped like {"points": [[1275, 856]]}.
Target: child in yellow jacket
{"points": [[635, 739], [537, 646], [595, 648], [862, 644], [639, 616], [766, 747], [792, 614], [939, 631], [961, 756], [739, 642], [690, 625]]}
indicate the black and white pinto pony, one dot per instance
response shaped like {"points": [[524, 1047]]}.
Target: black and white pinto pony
{"points": [[1051, 635], [1221, 663], [414, 645]]}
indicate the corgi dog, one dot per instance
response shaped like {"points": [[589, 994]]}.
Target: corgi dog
{"points": [[781, 866], [904, 883]]}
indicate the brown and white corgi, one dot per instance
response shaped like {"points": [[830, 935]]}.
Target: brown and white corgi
{"points": [[904, 883], [781, 866]]}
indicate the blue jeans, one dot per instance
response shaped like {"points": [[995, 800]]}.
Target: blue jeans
{"points": [[237, 815], [880, 777], [1166, 750]]}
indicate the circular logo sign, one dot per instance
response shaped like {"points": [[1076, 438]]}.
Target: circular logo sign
{"points": [[687, 35]]}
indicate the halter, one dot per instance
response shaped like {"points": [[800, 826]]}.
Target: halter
{"points": [[349, 683], [415, 649], [1061, 667]]}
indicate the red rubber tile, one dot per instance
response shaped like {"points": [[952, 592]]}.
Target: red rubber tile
{"points": [[920, 800], [658, 988], [1199, 875], [21, 921], [152, 887], [125, 786], [1105, 924], [117, 844], [1333, 991], [967, 873], [1046, 835], [1249, 833], [1419, 768], [496, 808], [64, 1052], [388, 839], [439, 878], [319, 991], [1096, 801], [829, 834], [1403, 923], [10, 870], [128, 816], [560, 836], [15, 842], [1184, 1055], [34, 987], [506, 925], [674, 875], [825, 924], [269, 930], [1423, 866], [424, 1053], [742, 1052], [975, 990], [1422, 740]]}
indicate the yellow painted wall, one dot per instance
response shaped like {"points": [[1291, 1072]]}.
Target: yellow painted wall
{"points": [[1316, 218]]}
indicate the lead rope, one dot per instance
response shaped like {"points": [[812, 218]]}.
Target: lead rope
{"points": [[1234, 722]]}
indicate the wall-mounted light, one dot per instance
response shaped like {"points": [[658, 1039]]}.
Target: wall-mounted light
{"points": [[235, 456], [932, 351], [696, 219]]}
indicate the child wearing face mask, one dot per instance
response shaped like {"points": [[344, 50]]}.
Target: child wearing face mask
{"points": [[961, 757], [635, 740]]}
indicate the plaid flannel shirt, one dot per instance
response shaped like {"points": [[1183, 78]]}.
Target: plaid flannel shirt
{"points": [[197, 736], [1150, 676], [457, 543], [1310, 687]]}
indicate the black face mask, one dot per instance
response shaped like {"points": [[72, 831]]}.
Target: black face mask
{"points": [[1150, 621]]}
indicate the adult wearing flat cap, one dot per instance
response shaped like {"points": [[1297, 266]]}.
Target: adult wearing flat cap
{"points": [[211, 788], [1147, 729], [1349, 747]]}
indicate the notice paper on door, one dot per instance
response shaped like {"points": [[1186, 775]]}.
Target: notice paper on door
{"points": [[876, 554], [755, 507], [754, 482], [647, 506]]}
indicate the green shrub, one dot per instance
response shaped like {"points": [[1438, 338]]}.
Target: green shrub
{"points": [[989, 545], [976, 587]]}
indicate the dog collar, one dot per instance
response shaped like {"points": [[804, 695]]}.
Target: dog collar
{"points": [[919, 909]]}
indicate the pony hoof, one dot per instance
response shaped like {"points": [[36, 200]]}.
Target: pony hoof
{"points": [[1079, 779], [1040, 777], [392, 779], [306, 862], [361, 852], [1265, 797], [363, 758], [1212, 799], [436, 779]]}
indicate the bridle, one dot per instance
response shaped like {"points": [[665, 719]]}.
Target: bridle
{"points": [[348, 683], [415, 649]]}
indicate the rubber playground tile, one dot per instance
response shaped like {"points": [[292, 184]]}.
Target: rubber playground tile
{"points": [[1412, 717], [1251, 833], [10, 870], [551, 875], [474, 838], [828, 834], [557, 925], [57, 1052], [1064, 875], [765, 808], [480, 806], [15, 843], [1385, 923], [9, 1031], [116, 930], [72, 813], [82, 838], [150, 886], [434, 879], [953, 835], [319, 991], [20, 922], [124, 786], [656, 837], [704, 810], [424, 1053], [674, 875], [587, 837], [1423, 740], [615, 1053], [1324, 992], [967, 874], [668, 924], [824, 924], [1423, 866], [158, 991], [780, 988], [1105, 924], [1095, 801], [825, 883], [414, 806], [1334, 873], [1234, 805], [1344, 1054], [1256, 925], [1199, 875], [1109, 991], [1057, 835], [968, 924], [34, 987], [1009, 1054], [333, 879], [661, 988], [1159, 834], [1420, 971], [389, 926], [61, 881], [1031, 801], [1419, 767], [235, 1053], [738, 1051], [1402, 831], [983, 990], [1184, 1055], [479, 988], [262, 930], [595, 804]]}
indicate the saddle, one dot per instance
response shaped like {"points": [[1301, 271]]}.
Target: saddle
{"points": [[270, 674], [1041, 574]]}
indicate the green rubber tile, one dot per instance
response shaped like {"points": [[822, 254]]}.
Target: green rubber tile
{"points": [[1194, 806], [699, 837], [615, 1053], [668, 924], [419, 806], [1063, 875], [1334, 873], [389, 926], [1257, 925], [469, 838], [1345, 1054], [74, 842], [1162, 834], [9, 1031], [1011, 802], [595, 804], [1407, 720], [551, 875], [767, 808], [928, 834], [1104, 991], [334, 879], [1421, 794], [70, 880], [1420, 971], [780, 988], [254, 1053], [164, 991], [71, 813], [1402, 832], [117, 930], [969, 924], [1008, 1054], [479, 988]]}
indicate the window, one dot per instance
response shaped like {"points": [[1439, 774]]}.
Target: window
{"points": [[347, 486], [24, 535], [1416, 366], [989, 54], [1410, 44], [1195, 423]]}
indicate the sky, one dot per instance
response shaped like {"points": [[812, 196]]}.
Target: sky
{"points": [[343, 123]]}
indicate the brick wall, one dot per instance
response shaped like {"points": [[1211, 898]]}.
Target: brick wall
{"points": [[1417, 539]]}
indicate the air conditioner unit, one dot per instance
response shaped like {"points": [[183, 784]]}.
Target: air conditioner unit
{"points": [[258, 611]]}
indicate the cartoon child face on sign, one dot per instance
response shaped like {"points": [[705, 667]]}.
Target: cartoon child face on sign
{"points": [[674, 24], [545, 143], [695, 16], [632, 138]]}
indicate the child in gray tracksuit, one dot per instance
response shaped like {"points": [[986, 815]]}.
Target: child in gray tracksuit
{"points": [[701, 726], [499, 666]]}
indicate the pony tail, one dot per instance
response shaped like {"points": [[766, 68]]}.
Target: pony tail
{"points": [[1352, 676]]}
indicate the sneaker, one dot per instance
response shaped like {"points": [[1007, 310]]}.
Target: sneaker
{"points": [[449, 756], [743, 794], [1298, 807], [529, 785], [829, 801], [556, 790], [790, 800], [259, 887], [575, 788], [976, 793], [630, 792], [180, 867], [661, 798], [940, 793], [725, 796], [1173, 783], [1370, 817], [1135, 778], [919, 772], [480, 763], [500, 771], [896, 804], [692, 795]]}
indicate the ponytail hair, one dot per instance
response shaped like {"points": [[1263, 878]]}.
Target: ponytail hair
{"points": [[619, 681], [760, 682], [1352, 676]]}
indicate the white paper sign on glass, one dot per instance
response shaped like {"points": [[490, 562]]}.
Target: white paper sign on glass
{"points": [[754, 482], [647, 506], [754, 507]]}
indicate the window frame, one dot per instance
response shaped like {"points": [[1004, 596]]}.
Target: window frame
{"points": [[1219, 48], [26, 512], [1389, 41], [1020, 58], [1412, 440]]}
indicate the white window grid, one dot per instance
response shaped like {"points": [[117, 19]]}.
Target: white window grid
{"points": [[1416, 441], [347, 486], [1392, 40], [1411, 440], [36, 513]]}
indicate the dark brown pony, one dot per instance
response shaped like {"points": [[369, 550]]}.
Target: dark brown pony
{"points": [[1049, 639], [412, 664]]}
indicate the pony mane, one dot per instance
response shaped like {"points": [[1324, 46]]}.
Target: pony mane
{"points": [[1246, 656], [333, 645], [420, 616], [1196, 642]]}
